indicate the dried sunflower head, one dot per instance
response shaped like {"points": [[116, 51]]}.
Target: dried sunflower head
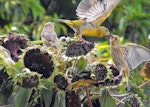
{"points": [[100, 72], [114, 71], [79, 48], [60, 82], [39, 61], [13, 42], [72, 99], [27, 79], [95, 102]]}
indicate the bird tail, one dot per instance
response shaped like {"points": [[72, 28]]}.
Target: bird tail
{"points": [[67, 22]]}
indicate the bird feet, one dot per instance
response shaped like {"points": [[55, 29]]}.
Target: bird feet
{"points": [[112, 65], [115, 72], [117, 77], [83, 40]]}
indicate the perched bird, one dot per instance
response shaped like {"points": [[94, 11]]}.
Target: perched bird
{"points": [[127, 57], [49, 36], [91, 14], [145, 72]]}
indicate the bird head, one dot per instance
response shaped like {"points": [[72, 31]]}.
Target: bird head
{"points": [[104, 31], [49, 25], [114, 40]]}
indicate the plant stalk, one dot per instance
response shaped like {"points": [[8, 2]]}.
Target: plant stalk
{"points": [[88, 97]]}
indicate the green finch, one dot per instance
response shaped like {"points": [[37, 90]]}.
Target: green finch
{"points": [[127, 57], [91, 14], [49, 36]]}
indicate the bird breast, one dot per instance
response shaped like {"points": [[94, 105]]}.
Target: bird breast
{"points": [[117, 55]]}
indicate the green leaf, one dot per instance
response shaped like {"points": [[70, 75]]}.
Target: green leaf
{"points": [[126, 105], [86, 72], [106, 100], [82, 63], [19, 66], [22, 97], [46, 96], [37, 9], [60, 100]]}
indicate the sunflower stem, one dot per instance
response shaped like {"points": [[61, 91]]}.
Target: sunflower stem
{"points": [[36, 42], [144, 84], [121, 101], [88, 97]]}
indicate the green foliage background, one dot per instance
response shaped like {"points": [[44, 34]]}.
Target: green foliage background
{"points": [[130, 20]]}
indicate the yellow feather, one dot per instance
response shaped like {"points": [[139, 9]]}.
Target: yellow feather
{"points": [[127, 78], [74, 24], [96, 32]]}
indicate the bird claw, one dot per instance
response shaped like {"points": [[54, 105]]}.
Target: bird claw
{"points": [[116, 77], [84, 41], [112, 65]]}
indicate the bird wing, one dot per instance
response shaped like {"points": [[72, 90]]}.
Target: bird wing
{"points": [[53, 38], [135, 54], [83, 7], [95, 11], [50, 37]]}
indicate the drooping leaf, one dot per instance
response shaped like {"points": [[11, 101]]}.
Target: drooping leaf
{"points": [[46, 96], [22, 97], [6, 90], [60, 100], [106, 100]]}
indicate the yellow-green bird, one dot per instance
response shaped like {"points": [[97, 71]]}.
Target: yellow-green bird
{"points": [[127, 57], [91, 14]]}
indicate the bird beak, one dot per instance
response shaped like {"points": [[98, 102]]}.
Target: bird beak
{"points": [[111, 36], [108, 33]]}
